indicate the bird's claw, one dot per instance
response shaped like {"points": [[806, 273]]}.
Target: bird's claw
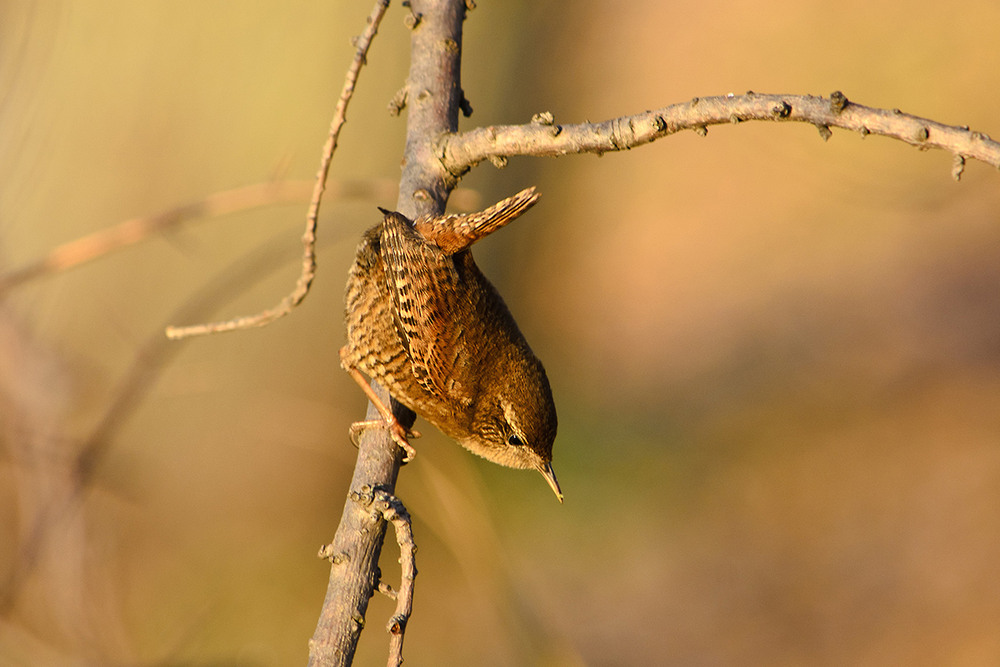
{"points": [[399, 433]]}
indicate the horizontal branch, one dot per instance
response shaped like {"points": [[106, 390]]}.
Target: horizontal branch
{"points": [[543, 137]]}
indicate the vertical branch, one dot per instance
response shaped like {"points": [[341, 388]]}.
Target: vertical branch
{"points": [[434, 95], [395, 512]]}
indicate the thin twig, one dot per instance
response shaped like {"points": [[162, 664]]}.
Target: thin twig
{"points": [[395, 513], [309, 237], [543, 137]]}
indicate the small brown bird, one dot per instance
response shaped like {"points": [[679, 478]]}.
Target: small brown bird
{"points": [[424, 322]]}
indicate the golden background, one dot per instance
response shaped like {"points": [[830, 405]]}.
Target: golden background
{"points": [[776, 360]]}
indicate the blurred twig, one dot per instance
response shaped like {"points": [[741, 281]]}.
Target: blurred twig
{"points": [[130, 232], [543, 137], [98, 244]]}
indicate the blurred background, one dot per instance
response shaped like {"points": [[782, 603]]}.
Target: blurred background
{"points": [[776, 360]]}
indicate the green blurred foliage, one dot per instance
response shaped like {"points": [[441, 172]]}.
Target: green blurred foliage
{"points": [[776, 360]]}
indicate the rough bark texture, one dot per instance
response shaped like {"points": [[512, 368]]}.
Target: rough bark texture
{"points": [[544, 137]]}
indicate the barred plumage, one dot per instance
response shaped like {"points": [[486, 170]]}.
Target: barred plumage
{"points": [[424, 322]]}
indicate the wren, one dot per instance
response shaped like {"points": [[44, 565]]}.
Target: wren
{"points": [[426, 324]]}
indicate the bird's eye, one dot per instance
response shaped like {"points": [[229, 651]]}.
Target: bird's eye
{"points": [[514, 441]]}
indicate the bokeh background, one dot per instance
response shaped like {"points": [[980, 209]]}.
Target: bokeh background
{"points": [[776, 360]]}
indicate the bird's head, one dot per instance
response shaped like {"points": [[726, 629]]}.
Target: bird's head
{"points": [[515, 421]]}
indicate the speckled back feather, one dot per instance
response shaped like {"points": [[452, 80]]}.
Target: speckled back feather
{"points": [[423, 278]]}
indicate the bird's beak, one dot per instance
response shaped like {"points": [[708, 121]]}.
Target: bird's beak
{"points": [[550, 476]]}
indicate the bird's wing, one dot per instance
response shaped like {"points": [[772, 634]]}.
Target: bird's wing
{"points": [[425, 288]]}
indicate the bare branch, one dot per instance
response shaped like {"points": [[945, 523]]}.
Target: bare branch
{"points": [[309, 237], [395, 513], [543, 137], [377, 504]]}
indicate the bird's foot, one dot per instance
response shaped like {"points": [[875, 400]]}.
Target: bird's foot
{"points": [[398, 432]]}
